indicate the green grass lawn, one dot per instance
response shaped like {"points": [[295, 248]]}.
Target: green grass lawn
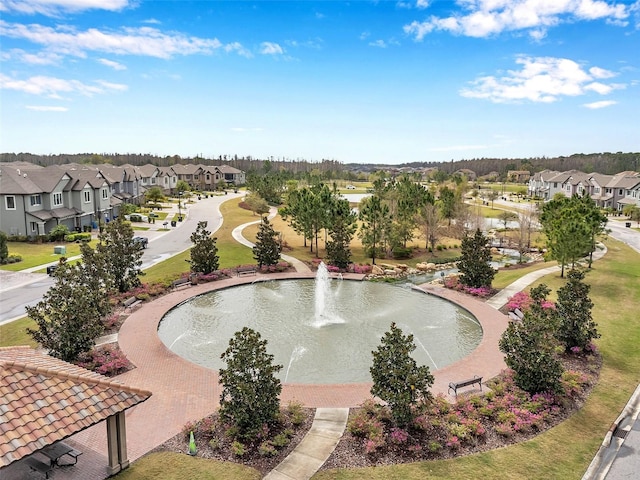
{"points": [[34, 254]]}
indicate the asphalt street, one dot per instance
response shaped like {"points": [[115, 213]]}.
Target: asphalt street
{"points": [[19, 289]]}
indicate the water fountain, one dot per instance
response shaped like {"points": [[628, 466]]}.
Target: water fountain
{"points": [[321, 331]]}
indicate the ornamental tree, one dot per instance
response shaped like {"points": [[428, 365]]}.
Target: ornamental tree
{"points": [[250, 389], [397, 379], [123, 257], [530, 346], [67, 317], [266, 251], [577, 327], [474, 266], [204, 253]]}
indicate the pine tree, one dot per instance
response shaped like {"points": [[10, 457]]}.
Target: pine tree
{"points": [[250, 390], [397, 379], [474, 266], [204, 253], [341, 231], [577, 327], [267, 248]]}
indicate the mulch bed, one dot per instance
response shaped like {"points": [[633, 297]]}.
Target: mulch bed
{"points": [[252, 457]]}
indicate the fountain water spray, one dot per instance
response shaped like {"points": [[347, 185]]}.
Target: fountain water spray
{"points": [[325, 312]]}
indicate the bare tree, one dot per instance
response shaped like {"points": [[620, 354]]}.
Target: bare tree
{"points": [[527, 223]]}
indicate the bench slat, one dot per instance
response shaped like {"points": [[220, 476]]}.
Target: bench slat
{"points": [[465, 383]]}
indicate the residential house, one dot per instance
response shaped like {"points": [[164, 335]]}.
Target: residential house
{"points": [[167, 179], [36, 200], [189, 173], [539, 184], [232, 175], [518, 176]]}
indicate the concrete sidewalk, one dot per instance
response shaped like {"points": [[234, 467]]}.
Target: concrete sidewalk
{"points": [[315, 448]]}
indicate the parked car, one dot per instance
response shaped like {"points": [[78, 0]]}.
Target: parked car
{"points": [[351, 187], [142, 242]]}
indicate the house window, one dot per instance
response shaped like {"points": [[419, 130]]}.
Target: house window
{"points": [[620, 192], [57, 199], [105, 194], [596, 189], [33, 226], [36, 200], [87, 196], [10, 202], [153, 181]]}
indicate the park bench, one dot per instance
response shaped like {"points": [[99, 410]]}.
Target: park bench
{"points": [[181, 282], [465, 383], [248, 270], [39, 466], [131, 303]]}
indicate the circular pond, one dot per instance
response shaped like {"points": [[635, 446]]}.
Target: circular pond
{"points": [[321, 331]]}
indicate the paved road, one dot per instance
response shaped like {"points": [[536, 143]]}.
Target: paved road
{"points": [[19, 289]]}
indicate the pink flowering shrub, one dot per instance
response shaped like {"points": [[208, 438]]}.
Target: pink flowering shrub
{"points": [[454, 283], [520, 300], [109, 361], [278, 267], [358, 268], [398, 436]]}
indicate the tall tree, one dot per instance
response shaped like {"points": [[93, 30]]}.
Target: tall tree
{"points": [[341, 230], [250, 389], [256, 203], [375, 221], [204, 253], [447, 203], [569, 235], [577, 327], [123, 257], [429, 221], [267, 248], [594, 218], [474, 265], [67, 317], [397, 378]]}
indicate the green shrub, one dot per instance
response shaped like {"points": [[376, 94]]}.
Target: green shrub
{"points": [[401, 252], [280, 440], [266, 449], [238, 448], [135, 218]]}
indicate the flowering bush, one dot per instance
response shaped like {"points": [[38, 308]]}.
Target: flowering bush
{"points": [[520, 300], [278, 267], [357, 268], [453, 282], [109, 361], [398, 436]]}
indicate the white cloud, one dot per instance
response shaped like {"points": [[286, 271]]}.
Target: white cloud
{"points": [[597, 105], [55, 7], [54, 87], [144, 41], [542, 79], [270, 48], [378, 43], [43, 108], [485, 18], [39, 58], [422, 3], [112, 64]]}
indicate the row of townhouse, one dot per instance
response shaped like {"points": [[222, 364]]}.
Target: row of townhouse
{"points": [[608, 191], [35, 199]]}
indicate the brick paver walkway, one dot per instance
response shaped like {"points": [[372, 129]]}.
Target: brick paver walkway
{"points": [[183, 391]]}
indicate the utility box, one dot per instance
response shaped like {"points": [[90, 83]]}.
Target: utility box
{"points": [[60, 250]]}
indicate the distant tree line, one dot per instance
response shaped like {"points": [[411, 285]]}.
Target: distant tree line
{"points": [[606, 163]]}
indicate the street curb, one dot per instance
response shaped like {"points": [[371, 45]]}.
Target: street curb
{"points": [[606, 455]]}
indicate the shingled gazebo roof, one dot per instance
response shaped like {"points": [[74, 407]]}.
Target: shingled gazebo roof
{"points": [[44, 400]]}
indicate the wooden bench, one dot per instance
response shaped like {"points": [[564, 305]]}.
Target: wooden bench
{"points": [[181, 282], [39, 466], [131, 303], [249, 270], [465, 383]]}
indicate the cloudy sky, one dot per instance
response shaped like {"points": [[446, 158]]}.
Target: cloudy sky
{"points": [[359, 81]]}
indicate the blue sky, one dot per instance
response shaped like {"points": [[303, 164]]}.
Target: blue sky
{"points": [[372, 82]]}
